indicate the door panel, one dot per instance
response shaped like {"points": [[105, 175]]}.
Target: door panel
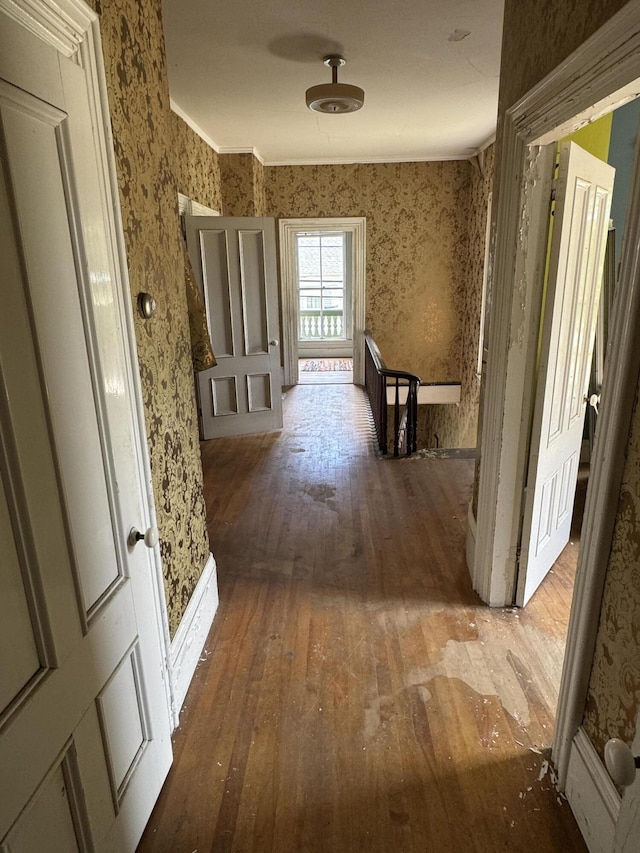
{"points": [[49, 822], [84, 720], [235, 263], [583, 201]]}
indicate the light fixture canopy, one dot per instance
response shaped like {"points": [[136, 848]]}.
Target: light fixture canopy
{"points": [[335, 97]]}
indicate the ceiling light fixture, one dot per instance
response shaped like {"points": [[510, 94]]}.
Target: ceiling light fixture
{"points": [[335, 97]]}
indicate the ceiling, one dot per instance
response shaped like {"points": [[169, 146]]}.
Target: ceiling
{"points": [[239, 69]]}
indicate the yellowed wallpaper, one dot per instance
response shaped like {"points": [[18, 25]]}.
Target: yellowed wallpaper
{"points": [[417, 221], [481, 186], [143, 127], [614, 687], [195, 164], [539, 34], [438, 426], [259, 197], [242, 185], [537, 37]]}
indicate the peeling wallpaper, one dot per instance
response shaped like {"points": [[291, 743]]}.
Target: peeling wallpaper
{"points": [[481, 186], [417, 229], [614, 687], [537, 37], [143, 125]]}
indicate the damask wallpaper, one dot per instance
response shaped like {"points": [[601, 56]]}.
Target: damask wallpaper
{"points": [[614, 687], [539, 34], [417, 231], [242, 183], [143, 130], [196, 165], [481, 186], [259, 197], [438, 426], [537, 37]]}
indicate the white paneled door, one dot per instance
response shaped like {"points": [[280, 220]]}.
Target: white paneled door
{"points": [[581, 222], [234, 260], [84, 716]]}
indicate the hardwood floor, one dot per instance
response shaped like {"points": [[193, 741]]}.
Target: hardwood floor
{"points": [[354, 694]]}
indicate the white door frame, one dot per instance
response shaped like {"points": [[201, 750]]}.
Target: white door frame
{"points": [[598, 77], [356, 226], [72, 28]]}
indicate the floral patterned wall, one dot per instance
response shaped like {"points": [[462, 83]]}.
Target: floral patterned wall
{"points": [[537, 37], [242, 177], [196, 165], [438, 426], [417, 231], [481, 185], [259, 189], [614, 688], [143, 126], [539, 34]]}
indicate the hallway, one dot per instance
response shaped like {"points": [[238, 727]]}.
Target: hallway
{"points": [[353, 694]]}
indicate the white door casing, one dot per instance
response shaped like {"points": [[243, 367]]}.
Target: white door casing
{"points": [[85, 718], [234, 261], [356, 226], [597, 77], [627, 833], [583, 202]]}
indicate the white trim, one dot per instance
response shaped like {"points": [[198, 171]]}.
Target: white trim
{"points": [[357, 225], [482, 148], [485, 286], [429, 394], [363, 161], [619, 386], [198, 209], [314, 161], [576, 86], [593, 797], [71, 27], [585, 84], [525, 184], [470, 542], [188, 207], [249, 150], [62, 24], [194, 127], [102, 129], [192, 633]]}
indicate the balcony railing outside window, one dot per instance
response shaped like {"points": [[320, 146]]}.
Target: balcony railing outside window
{"points": [[316, 326], [321, 285]]}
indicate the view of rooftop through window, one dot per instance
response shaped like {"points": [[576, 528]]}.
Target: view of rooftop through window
{"points": [[320, 258]]}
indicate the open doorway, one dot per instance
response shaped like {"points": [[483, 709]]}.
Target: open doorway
{"points": [[323, 299], [598, 77], [324, 285]]}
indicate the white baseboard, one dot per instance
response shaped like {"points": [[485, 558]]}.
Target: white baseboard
{"points": [[471, 541], [186, 646], [593, 797]]}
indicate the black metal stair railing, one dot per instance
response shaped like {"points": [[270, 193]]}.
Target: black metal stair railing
{"points": [[378, 377]]}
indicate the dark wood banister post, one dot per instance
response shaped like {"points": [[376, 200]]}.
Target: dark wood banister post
{"points": [[376, 376]]}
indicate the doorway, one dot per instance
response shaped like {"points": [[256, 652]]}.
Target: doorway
{"points": [[323, 298], [596, 79]]}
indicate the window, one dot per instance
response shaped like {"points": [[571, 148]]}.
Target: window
{"points": [[321, 266]]}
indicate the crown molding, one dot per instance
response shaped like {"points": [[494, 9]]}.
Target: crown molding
{"points": [[63, 24]]}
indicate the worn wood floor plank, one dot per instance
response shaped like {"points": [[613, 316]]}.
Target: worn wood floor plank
{"points": [[354, 694]]}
